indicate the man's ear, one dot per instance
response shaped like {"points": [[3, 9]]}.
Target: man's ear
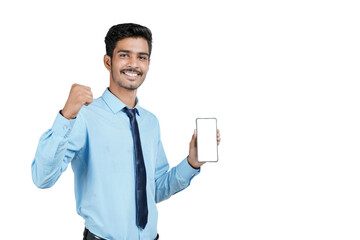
{"points": [[107, 62]]}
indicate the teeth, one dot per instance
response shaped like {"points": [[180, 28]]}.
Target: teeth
{"points": [[131, 74]]}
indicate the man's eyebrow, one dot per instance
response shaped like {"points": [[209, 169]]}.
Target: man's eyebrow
{"points": [[143, 53], [128, 51]]}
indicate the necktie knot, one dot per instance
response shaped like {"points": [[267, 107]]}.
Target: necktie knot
{"points": [[130, 112]]}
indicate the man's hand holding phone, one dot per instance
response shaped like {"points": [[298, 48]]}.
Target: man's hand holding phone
{"points": [[193, 151]]}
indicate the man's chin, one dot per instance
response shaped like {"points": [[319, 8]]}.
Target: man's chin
{"points": [[130, 86]]}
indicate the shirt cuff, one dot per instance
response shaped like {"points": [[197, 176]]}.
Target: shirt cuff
{"points": [[62, 126], [186, 171]]}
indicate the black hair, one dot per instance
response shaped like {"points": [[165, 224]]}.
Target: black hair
{"points": [[126, 30]]}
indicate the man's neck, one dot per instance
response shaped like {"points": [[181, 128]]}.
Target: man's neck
{"points": [[126, 96]]}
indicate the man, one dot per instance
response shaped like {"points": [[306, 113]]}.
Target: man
{"points": [[114, 147]]}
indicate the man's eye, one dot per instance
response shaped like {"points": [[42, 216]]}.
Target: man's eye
{"points": [[123, 55], [142, 58]]}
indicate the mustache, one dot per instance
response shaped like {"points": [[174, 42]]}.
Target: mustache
{"points": [[131, 70]]}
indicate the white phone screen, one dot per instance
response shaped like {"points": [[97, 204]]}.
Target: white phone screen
{"points": [[206, 131]]}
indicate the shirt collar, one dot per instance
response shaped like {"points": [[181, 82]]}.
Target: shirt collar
{"points": [[116, 104]]}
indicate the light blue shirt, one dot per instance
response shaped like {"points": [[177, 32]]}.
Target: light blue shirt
{"points": [[99, 145]]}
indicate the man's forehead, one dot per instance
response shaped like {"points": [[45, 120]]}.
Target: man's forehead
{"points": [[132, 44]]}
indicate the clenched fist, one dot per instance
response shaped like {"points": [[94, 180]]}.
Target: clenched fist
{"points": [[79, 95]]}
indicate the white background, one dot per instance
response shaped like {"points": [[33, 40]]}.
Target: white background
{"points": [[282, 78]]}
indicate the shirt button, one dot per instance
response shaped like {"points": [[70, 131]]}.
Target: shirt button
{"points": [[65, 127]]}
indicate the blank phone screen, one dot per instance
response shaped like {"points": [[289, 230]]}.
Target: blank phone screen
{"points": [[206, 131]]}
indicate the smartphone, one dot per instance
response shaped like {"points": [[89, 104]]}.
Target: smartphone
{"points": [[206, 131]]}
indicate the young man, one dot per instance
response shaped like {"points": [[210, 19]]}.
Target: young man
{"points": [[114, 147]]}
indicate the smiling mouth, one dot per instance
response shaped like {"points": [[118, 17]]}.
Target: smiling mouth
{"points": [[131, 72]]}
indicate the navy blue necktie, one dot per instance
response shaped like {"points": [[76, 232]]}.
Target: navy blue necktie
{"points": [[140, 172]]}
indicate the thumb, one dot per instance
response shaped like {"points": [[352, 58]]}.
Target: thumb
{"points": [[193, 140]]}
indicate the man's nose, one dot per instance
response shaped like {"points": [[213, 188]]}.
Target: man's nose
{"points": [[133, 62]]}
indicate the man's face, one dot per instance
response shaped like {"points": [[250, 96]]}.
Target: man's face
{"points": [[130, 63]]}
